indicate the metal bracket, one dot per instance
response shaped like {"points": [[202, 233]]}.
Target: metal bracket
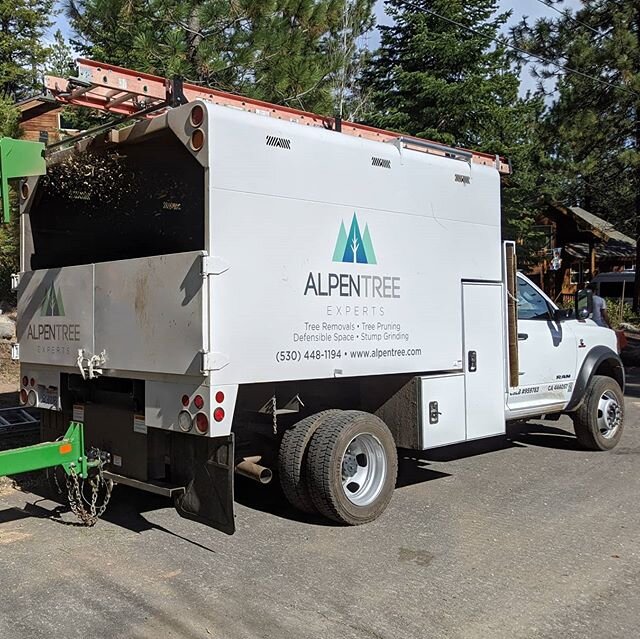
{"points": [[214, 265], [15, 352], [213, 361], [292, 406], [15, 281], [91, 365]]}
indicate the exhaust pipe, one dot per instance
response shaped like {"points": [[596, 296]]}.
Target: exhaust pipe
{"points": [[249, 468]]}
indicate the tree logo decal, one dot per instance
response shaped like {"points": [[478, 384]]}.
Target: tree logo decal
{"points": [[354, 248], [52, 305]]}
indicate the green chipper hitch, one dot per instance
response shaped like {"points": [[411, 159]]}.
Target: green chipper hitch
{"points": [[69, 454]]}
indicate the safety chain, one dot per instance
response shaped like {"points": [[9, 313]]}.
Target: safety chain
{"points": [[90, 513], [274, 415]]}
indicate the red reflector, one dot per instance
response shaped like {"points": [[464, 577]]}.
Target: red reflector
{"points": [[185, 400], [202, 423], [219, 397], [198, 401], [218, 414], [65, 448], [32, 382], [23, 396], [25, 381], [197, 115]]}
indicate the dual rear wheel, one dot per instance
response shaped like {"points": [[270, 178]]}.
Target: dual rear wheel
{"points": [[342, 464]]}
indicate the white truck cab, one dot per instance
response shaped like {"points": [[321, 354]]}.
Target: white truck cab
{"points": [[553, 351]]}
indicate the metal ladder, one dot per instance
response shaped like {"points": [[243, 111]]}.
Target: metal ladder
{"points": [[124, 92]]}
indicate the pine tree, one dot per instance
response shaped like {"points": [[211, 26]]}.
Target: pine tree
{"points": [[594, 123], [449, 78], [22, 49], [276, 50], [60, 58]]}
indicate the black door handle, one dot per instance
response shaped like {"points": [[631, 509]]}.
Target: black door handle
{"points": [[523, 336]]}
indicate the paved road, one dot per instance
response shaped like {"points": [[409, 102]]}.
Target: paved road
{"points": [[533, 539]]}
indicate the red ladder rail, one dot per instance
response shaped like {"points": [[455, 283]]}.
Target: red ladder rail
{"points": [[116, 90]]}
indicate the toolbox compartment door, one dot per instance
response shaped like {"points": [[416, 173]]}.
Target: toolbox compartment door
{"points": [[150, 313], [55, 315]]}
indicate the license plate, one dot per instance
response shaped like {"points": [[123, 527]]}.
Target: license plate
{"points": [[48, 396]]}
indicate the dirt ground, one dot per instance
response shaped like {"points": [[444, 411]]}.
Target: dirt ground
{"points": [[9, 376]]}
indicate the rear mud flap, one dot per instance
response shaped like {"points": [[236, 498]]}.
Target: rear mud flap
{"points": [[208, 498]]}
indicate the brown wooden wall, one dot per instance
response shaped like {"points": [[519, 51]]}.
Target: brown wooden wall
{"points": [[33, 125]]}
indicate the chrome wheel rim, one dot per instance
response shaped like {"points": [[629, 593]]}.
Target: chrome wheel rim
{"points": [[609, 415], [364, 469]]}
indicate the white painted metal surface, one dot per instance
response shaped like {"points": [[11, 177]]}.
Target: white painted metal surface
{"points": [[484, 359], [293, 304], [442, 410]]}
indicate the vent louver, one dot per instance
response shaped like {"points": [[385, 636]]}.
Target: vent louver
{"points": [[279, 143], [381, 162]]}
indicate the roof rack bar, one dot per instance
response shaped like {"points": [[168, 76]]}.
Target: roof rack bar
{"points": [[441, 149], [144, 89]]}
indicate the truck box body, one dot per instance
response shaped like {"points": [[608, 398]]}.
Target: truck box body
{"points": [[286, 297]]}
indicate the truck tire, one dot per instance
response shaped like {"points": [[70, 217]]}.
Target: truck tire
{"points": [[351, 467], [291, 460], [599, 421]]}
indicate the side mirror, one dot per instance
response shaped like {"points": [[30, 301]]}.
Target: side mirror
{"points": [[584, 304], [562, 314]]}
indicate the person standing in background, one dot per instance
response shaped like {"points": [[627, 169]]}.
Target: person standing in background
{"points": [[599, 315]]}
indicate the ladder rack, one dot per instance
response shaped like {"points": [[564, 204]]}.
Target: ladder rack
{"points": [[120, 91]]}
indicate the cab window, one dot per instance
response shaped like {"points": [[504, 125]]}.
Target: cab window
{"points": [[531, 305]]}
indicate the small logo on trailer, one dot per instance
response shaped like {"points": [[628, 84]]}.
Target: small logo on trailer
{"points": [[354, 248], [52, 305]]}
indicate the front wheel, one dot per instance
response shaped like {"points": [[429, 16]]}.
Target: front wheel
{"points": [[599, 421], [352, 464]]}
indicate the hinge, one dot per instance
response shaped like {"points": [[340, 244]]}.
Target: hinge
{"points": [[15, 281], [213, 265], [213, 361], [15, 352]]}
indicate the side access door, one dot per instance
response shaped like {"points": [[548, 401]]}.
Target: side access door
{"points": [[547, 353]]}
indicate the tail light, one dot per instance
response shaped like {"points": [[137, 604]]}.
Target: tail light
{"points": [[185, 400], [197, 115], [202, 423], [185, 421], [198, 402], [219, 397], [25, 381], [218, 414], [197, 140], [32, 398], [23, 396]]}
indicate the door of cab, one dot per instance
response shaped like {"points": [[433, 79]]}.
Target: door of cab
{"points": [[546, 352]]}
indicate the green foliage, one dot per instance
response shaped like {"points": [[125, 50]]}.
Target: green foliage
{"points": [[60, 58], [22, 49], [439, 80], [592, 131], [292, 53], [9, 233], [620, 313]]}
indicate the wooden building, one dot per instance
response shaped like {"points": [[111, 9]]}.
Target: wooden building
{"points": [[39, 121], [579, 246]]}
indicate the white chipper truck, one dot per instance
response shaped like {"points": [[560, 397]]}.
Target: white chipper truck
{"points": [[230, 286]]}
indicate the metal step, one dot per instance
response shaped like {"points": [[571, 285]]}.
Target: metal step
{"points": [[155, 487]]}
